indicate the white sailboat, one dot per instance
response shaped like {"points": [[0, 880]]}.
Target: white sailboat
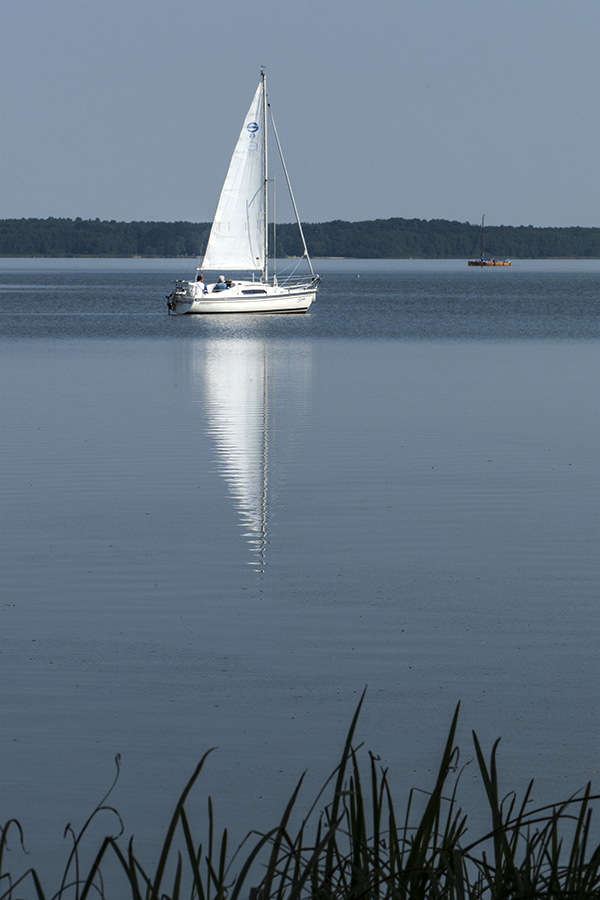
{"points": [[238, 246]]}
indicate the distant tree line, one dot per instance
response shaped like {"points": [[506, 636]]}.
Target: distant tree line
{"points": [[436, 239], [378, 239], [93, 237]]}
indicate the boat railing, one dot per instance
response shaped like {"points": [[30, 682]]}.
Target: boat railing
{"points": [[289, 281], [296, 281]]}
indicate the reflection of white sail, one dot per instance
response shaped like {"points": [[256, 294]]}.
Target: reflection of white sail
{"points": [[254, 392]]}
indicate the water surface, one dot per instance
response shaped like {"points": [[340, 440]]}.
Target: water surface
{"points": [[217, 530]]}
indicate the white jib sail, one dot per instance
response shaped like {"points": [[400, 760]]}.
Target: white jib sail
{"points": [[236, 241]]}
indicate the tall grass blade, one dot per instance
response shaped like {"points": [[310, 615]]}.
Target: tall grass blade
{"points": [[160, 869], [339, 784]]}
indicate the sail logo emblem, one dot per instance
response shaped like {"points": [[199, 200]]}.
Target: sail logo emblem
{"points": [[252, 127], [251, 146]]}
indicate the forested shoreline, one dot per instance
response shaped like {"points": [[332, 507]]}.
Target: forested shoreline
{"points": [[376, 239]]}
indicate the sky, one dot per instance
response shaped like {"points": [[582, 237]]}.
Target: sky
{"points": [[428, 109]]}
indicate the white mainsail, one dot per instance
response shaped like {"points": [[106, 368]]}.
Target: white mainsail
{"points": [[237, 237]]}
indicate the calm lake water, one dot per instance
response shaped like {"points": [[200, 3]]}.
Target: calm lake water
{"points": [[216, 531]]}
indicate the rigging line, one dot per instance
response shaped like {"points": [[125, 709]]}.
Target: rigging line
{"points": [[287, 178], [476, 237], [295, 262], [299, 260]]}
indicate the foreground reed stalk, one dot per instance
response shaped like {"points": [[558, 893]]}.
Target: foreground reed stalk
{"points": [[356, 848]]}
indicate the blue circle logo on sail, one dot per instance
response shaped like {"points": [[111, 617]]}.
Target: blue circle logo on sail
{"points": [[251, 146], [252, 127]]}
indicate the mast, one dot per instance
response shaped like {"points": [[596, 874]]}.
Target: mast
{"points": [[482, 221], [265, 177]]}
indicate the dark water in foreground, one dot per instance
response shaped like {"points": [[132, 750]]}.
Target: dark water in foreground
{"points": [[216, 531]]}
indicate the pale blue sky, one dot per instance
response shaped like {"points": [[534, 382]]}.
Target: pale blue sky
{"points": [[129, 109]]}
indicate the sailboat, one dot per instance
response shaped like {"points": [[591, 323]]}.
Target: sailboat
{"points": [[237, 245], [486, 260]]}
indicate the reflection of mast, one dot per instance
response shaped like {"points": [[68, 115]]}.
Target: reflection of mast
{"points": [[265, 458], [237, 380]]}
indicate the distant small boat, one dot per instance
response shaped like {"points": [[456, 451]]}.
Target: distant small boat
{"points": [[486, 260]]}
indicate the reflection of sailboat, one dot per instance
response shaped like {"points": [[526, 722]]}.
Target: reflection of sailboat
{"points": [[242, 381]]}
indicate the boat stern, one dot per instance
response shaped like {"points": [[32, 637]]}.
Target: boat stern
{"points": [[181, 300]]}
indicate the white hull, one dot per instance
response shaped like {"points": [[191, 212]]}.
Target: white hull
{"points": [[242, 297]]}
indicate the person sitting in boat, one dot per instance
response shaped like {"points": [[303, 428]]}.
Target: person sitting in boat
{"points": [[220, 285], [201, 287]]}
